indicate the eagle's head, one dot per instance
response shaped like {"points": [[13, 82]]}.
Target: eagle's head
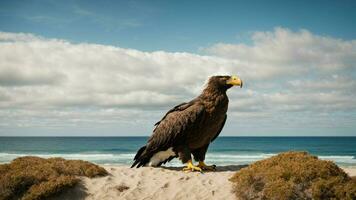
{"points": [[224, 82]]}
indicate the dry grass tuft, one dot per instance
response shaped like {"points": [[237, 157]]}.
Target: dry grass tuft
{"points": [[293, 175], [38, 178]]}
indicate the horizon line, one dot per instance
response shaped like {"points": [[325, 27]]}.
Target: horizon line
{"points": [[76, 136]]}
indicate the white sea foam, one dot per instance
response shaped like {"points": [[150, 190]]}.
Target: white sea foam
{"points": [[340, 159], [126, 158]]}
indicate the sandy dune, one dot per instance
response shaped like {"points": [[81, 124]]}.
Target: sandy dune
{"points": [[158, 183]]}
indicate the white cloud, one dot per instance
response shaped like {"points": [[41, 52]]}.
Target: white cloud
{"points": [[283, 52], [289, 76]]}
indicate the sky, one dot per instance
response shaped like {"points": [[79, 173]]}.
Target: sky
{"points": [[113, 68]]}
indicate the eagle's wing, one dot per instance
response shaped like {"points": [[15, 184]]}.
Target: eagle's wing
{"points": [[171, 130], [174, 126], [220, 129]]}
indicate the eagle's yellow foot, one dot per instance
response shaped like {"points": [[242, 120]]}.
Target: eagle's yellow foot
{"points": [[191, 167], [203, 166]]}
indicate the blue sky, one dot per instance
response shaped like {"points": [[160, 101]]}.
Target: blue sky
{"points": [[115, 67], [173, 25]]}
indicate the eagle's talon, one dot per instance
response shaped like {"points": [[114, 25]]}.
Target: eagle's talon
{"points": [[191, 167], [203, 166]]}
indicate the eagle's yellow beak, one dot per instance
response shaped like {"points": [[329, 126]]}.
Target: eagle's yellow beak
{"points": [[235, 80]]}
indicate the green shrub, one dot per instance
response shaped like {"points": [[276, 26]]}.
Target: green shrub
{"points": [[293, 175], [38, 178]]}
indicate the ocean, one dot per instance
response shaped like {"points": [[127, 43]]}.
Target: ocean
{"points": [[223, 151]]}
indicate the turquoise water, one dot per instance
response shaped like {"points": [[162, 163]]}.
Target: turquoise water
{"points": [[224, 151]]}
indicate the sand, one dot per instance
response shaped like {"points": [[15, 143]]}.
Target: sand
{"points": [[159, 183], [350, 171]]}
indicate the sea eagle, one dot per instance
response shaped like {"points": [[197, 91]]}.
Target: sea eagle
{"points": [[189, 128]]}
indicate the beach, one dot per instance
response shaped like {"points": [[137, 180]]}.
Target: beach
{"points": [[159, 183], [115, 154]]}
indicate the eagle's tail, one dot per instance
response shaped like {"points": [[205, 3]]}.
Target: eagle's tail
{"points": [[140, 159]]}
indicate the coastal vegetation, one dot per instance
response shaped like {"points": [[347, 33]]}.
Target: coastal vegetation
{"points": [[30, 178], [293, 175]]}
